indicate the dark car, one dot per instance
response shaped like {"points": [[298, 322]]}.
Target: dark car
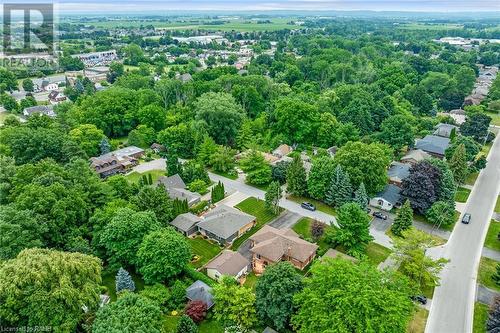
{"points": [[420, 298], [466, 218], [380, 215], [308, 206], [368, 210]]}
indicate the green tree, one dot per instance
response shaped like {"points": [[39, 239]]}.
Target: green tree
{"points": [[365, 163], [354, 229], [296, 119], [28, 85], [156, 200], [130, 313], [409, 253], [8, 80], [274, 294], [218, 192], [206, 150], [173, 165], [162, 255], [397, 132], [186, 325], [273, 196], [319, 177], [222, 115], [361, 197], [123, 235], [458, 164], [346, 297], [234, 305], [340, 190], [124, 281], [403, 220], [36, 284], [257, 169], [442, 213], [296, 177], [153, 116], [222, 160], [476, 126], [141, 136], [88, 137], [104, 146]]}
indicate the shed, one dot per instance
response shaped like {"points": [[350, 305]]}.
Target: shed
{"points": [[200, 291]]}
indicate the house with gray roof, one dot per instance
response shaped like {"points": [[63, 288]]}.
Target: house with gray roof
{"points": [[389, 198], [433, 145], [227, 263], [117, 161], [414, 156], [176, 189], [445, 130], [224, 224], [47, 110], [200, 291], [186, 223], [397, 172]]}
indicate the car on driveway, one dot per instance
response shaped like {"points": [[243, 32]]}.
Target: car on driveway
{"points": [[308, 206], [466, 218], [380, 215]]}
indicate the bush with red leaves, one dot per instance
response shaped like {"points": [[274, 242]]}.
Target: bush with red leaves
{"points": [[196, 310]]}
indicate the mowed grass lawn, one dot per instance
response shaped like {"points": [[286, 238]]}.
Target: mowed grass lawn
{"points": [[204, 249], [487, 268], [257, 208], [462, 194], [134, 177], [492, 241], [417, 323], [377, 253], [321, 206], [480, 318]]}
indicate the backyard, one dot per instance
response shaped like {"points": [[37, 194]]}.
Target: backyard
{"points": [[204, 249], [255, 207], [108, 280]]}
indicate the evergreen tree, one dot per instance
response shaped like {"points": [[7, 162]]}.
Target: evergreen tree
{"points": [[340, 190], [361, 197], [186, 325], [104, 146], [180, 206], [458, 164], [403, 220], [496, 276], [296, 177], [273, 196], [173, 165], [150, 179], [218, 192], [124, 281]]}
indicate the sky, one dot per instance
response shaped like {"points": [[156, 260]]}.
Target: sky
{"points": [[163, 6]]}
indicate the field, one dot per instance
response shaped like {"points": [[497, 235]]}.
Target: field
{"points": [[204, 249], [480, 317], [492, 241], [417, 324], [486, 269], [255, 207], [497, 206]]}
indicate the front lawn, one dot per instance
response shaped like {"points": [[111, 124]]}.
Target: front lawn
{"points": [[448, 227], [462, 194], [231, 175], [377, 253], [204, 249], [437, 240], [417, 323], [210, 326], [492, 241], [321, 206], [486, 269], [303, 228], [257, 208], [480, 318], [134, 177], [471, 178]]}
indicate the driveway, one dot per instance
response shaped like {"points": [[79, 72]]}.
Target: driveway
{"points": [[233, 199], [159, 164], [287, 219]]}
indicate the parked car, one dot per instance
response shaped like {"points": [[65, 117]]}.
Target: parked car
{"points": [[368, 210], [419, 298], [308, 206], [380, 215], [466, 218]]}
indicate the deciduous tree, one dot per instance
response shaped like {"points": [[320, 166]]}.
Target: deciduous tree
{"points": [[296, 177], [354, 229], [273, 196]]}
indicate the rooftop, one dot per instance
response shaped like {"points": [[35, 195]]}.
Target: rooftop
{"points": [[224, 221], [228, 263], [433, 144]]}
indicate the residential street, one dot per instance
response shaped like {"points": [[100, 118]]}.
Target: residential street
{"points": [[453, 301]]}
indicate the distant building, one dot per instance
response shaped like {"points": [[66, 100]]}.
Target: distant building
{"points": [[458, 116], [93, 59], [445, 130], [47, 110], [433, 145], [282, 150], [389, 198], [118, 161], [56, 97]]}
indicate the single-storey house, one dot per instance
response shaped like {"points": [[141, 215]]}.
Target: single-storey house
{"points": [[270, 245], [415, 156], [433, 145], [176, 189], [388, 198], [282, 150], [186, 224], [200, 291], [445, 130], [47, 110], [224, 224], [227, 263], [397, 172]]}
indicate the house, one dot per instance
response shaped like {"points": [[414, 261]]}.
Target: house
{"points": [[433, 145], [158, 148], [224, 224], [176, 189], [56, 97], [414, 156], [93, 59], [389, 198], [186, 223], [200, 291], [47, 110], [227, 263], [270, 245], [332, 151], [398, 172], [282, 150], [117, 161], [445, 130], [332, 253], [458, 116]]}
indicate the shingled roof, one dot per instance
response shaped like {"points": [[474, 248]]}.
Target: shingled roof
{"points": [[228, 263], [224, 221], [185, 221]]}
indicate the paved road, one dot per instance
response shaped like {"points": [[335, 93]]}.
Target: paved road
{"points": [[453, 301]]}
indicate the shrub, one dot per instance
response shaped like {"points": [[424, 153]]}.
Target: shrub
{"points": [[196, 310]]}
